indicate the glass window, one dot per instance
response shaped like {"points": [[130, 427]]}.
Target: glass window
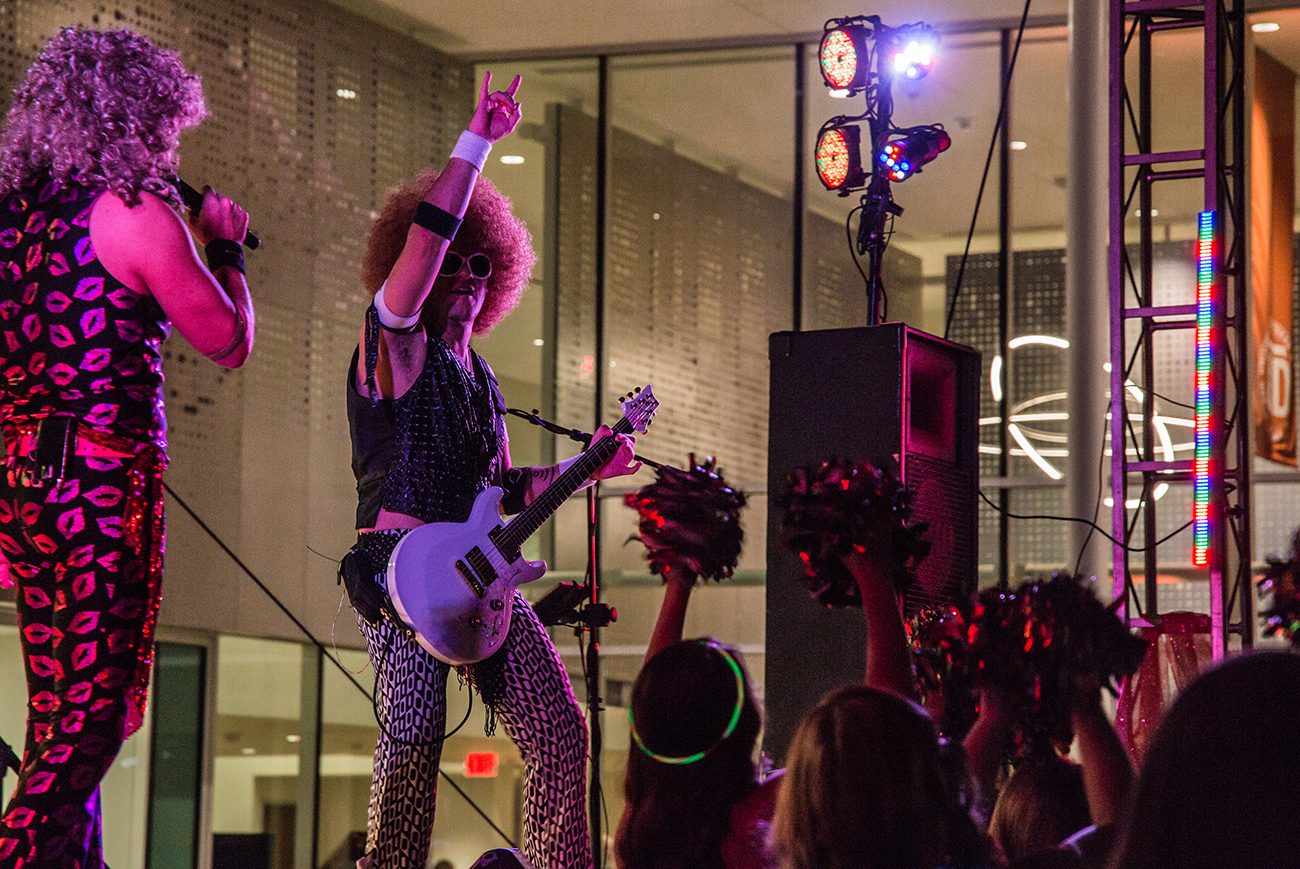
{"points": [[255, 771], [176, 772]]}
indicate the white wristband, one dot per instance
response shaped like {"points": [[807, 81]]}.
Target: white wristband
{"points": [[472, 148], [388, 318]]}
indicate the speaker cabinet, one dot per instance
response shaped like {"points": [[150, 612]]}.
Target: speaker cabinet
{"points": [[876, 393]]}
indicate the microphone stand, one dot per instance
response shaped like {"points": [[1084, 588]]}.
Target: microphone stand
{"points": [[591, 617]]}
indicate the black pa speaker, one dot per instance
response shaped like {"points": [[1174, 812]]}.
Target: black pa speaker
{"points": [[875, 393]]}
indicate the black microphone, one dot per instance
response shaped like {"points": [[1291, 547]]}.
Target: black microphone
{"points": [[193, 200]]}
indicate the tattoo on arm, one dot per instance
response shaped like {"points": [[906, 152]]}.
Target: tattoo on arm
{"points": [[540, 478]]}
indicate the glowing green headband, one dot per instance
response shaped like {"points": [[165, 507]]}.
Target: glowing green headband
{"points": [[731, 725]]}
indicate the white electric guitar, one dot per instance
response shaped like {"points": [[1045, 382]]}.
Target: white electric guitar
{"points": [[454, 583]]}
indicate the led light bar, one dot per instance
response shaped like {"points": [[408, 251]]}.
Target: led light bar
{"points": [[1201, 464]]}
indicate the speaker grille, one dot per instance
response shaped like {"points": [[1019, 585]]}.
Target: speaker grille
{"points": [[944, 499]]}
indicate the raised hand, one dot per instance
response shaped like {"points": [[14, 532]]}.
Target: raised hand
{"points": [[219, 218], [497, 114]]}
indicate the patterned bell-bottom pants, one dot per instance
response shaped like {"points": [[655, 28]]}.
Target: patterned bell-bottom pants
{"points": [[535, 703], [85, 555]]}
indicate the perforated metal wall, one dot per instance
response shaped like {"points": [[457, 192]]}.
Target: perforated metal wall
{"points": [[975, 323], [835, 295], [698, 275], [314, 113]]}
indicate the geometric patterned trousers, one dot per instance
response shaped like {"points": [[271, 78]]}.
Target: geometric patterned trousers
{"points": [[86, 556], [533, 700]]}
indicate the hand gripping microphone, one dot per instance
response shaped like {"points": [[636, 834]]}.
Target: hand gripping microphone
{"points": [[193, 200]]}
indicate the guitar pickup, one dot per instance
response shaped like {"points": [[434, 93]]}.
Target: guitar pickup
{"points": [[470, 579], [482, 566]]}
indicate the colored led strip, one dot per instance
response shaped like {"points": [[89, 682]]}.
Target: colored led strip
{"points": [[1205, 269]]}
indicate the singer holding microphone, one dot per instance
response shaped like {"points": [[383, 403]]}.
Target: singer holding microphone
{"points": [[95, 268]]}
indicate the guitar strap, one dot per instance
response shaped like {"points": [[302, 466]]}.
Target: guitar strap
{"points": [[372, 350]]}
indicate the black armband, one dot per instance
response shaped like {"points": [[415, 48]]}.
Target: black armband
{"points": [[224, 252], [437, 221], [515, 483]]}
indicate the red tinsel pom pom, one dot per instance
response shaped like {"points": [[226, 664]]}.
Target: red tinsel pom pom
{"points": [[1282, 615], [1036, 642], [840, 505], [690, 521]]}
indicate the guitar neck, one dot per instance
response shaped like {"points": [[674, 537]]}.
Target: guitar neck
{"points": [[520, 528]]}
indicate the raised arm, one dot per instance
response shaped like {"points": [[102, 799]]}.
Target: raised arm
{"points": [[672, 612], [988, 742], [1107, 771], [410, 281], [889, 659], [148, 248]]}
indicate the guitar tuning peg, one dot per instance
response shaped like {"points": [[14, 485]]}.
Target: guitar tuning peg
{"points": [[637, 390]]}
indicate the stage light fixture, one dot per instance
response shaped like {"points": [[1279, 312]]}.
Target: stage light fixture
{"points": [[843, 57], [903, 157], [839, 158], [914, 53]]}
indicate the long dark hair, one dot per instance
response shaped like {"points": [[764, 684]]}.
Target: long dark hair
{"points": [[1218, 785], [679, 803], [866, 785]]}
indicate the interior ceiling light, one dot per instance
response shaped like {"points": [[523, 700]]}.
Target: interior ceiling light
{"points": [[839, 158], [843, 56], [1266, 27]]}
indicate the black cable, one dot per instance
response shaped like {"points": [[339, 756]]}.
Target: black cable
{"points": [[275, 600], [604, 808], [853, 247], [988, 162], [1169, 400], [319, 645], [437, 740], [1101, 482], [1094, 525]]}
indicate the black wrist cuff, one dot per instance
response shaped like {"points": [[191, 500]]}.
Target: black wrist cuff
{"points": [[437, 221], [224, 252]]}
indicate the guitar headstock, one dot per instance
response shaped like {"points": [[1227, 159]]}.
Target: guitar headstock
{"points": [[639, 408]]}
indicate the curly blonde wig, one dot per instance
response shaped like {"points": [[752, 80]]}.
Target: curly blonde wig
{"points": [[489, 227], [103, 108]]}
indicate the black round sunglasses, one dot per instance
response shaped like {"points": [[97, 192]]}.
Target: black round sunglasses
{"points": [[479, 264]]}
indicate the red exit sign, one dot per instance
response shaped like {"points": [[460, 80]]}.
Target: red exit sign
{"points": [[481, 764]]}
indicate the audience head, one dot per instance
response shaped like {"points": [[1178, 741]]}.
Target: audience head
{"points": [[865, 787], [1218, 787], [1042, 804], [694, 726]]}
